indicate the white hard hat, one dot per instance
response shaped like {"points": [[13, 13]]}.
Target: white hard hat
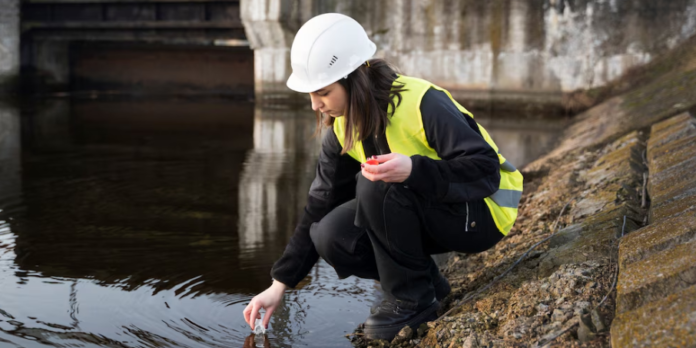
{"points": [[327, 48]]}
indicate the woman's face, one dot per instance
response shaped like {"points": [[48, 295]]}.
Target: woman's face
{"points": [[330, 100]]}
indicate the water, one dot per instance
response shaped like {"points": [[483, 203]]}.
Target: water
{"points": [[151, 223]]}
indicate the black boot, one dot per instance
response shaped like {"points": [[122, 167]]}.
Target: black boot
{"points": [[440, 283], [442, 289], [392, 315]]}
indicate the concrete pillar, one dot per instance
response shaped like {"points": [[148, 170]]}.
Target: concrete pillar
{"points": [[9, 43], [270, 28], [10, 154]]}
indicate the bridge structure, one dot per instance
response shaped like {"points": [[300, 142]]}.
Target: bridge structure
{"points": [[182, 46], [503, 50]]}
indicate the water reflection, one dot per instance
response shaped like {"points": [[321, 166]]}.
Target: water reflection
{"points": [[252, 342], [10, 153], [278, 166], [10, 182]]}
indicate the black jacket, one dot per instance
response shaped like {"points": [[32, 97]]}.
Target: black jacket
{"points": [[469, 170]]}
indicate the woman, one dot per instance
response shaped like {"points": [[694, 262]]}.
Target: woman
{"points": [[435, 182]]}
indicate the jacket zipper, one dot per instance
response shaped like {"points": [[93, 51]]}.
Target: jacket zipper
{"points": [[466, 227]]}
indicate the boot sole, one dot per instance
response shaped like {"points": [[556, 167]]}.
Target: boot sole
{"points": [[389, 331]]}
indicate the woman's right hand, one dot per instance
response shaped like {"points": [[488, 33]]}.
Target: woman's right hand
{"points": [[269, 300]]}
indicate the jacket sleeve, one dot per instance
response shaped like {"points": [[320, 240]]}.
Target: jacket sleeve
{"points": [[333, 185], [469, 169]]}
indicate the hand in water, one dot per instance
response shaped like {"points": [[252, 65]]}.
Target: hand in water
{"points": [[269, 300]]}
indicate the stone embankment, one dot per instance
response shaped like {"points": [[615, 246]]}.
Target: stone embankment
{"points": [[614, 207], [656, 292]]}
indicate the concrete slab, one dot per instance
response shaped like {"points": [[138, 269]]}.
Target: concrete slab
{"points": [[623, 164], [614, 177], [673, 181], [656, 277], [666, 155], [677, 205], [670, 322], [661, 132], [656, 237]]}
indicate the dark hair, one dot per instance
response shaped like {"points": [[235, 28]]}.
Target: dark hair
{"points": [[370, 90]]}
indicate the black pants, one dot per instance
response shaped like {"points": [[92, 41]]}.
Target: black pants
{"points": [[388, 233]]}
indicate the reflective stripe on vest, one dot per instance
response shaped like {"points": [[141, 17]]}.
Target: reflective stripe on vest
{"points": [[507, 198], [507, 166], [406, 135]]}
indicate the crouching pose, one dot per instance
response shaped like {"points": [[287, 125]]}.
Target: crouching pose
{"points": [[404, 172]]}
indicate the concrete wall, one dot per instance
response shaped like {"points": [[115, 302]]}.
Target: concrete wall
{"points": [[9, 43], [506, 47]]}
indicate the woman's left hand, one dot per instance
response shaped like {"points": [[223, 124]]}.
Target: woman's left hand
{"points": [[393, 167]]}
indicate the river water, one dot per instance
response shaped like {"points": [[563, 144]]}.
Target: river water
{"points": [[152, 223]]}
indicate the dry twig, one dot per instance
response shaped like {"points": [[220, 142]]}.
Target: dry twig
{"points": [[644, 198]]}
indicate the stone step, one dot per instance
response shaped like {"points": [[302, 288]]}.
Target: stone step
{"points": [[680, 204], [673, 181], [670, 322], [615, 177], [670, 129], [671, 154], [656, 237], [656, 277], [658, 130], [623, 162], [666, 155]]}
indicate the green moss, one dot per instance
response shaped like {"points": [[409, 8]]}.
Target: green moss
{"points": [[655, 277], [667, 323], [656, 237]]}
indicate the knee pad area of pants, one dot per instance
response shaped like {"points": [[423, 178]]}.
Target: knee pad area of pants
{"points": [[325, 239], [371, 193]]}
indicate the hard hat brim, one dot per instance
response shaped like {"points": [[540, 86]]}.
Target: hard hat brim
{"points": [[298, 85]]}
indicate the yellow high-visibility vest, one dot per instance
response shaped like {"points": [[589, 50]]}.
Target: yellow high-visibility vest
{"points": [[406, 135]]}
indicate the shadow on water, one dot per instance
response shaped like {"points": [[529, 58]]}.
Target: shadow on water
{"points": [[129, 223]]}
